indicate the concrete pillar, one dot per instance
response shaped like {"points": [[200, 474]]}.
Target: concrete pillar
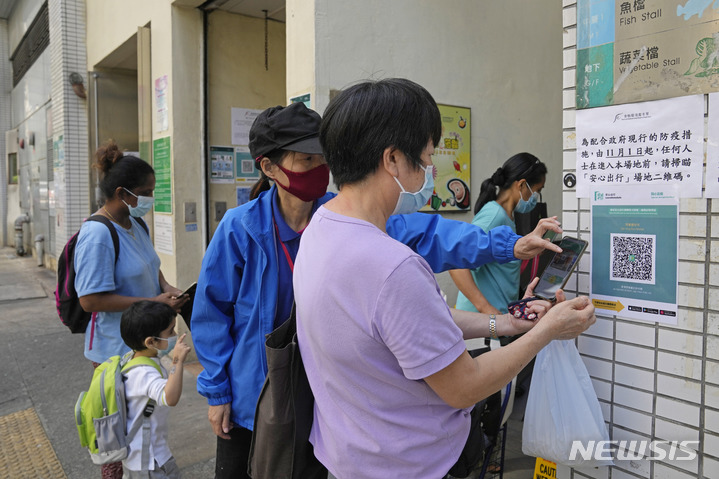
{"points": [[69, 116], [5, 87]]}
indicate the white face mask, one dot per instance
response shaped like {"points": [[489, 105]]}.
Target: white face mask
{"points": [[525, 206], [171, 341], [144, 204], [407, 202]]}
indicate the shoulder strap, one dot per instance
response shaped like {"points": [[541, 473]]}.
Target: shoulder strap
{"points": [[113, 232], [143, 224], [144, 420], [140, 361]]}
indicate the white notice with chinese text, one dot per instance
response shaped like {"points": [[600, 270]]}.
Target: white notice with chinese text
{"points": [[657, 143]]}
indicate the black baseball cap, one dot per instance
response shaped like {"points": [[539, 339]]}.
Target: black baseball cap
{"points": [[294, 128]]}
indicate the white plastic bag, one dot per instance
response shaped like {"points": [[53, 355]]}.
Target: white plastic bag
{"points": [[562, 407]]}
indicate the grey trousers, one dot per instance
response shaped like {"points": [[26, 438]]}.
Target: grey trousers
{"points": [[168, 470]]}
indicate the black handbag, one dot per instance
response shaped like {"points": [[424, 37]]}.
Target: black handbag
{"points": [[280, 446], [526, 222], [485, 423]]}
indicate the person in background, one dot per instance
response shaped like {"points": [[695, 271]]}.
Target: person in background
{"points": [[514, 187], [107, 286], [384, 355], [245, 286]]}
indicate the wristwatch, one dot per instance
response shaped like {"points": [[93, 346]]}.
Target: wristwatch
{"points": [[493, 326]]}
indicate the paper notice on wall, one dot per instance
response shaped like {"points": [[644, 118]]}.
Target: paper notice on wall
{"points": [[222, 164], [162, 112], [657, 143], [712, 179], [163, 234], [242, 119], [243, 195], [59, 187], [51, 198]]}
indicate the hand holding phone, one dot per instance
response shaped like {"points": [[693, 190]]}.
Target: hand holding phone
{"points": [[190, 291], [553, 278], [561, 266]]}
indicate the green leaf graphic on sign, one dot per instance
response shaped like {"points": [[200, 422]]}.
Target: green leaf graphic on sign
{"points": [[707, 63]]}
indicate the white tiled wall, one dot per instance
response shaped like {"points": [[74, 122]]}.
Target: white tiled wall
{"points": [[5, 87], [634, 355], [679, 388], [660, 382], [69, 112], [711, 468]]}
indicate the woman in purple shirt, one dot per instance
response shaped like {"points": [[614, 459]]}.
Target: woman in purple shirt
{"points": [[384, 354]]}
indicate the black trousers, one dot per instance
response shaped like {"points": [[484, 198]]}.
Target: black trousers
{"points": [[233, 454]]}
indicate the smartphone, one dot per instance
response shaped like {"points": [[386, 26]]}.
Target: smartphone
{"points": [[550, 235], [186, 309], [190, 290], [561, 266]]}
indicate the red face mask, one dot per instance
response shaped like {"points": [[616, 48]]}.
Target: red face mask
{"points": [[308, 185]]}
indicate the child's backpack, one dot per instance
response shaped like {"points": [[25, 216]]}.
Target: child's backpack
{"points": [[101, 411], [66, 301]]}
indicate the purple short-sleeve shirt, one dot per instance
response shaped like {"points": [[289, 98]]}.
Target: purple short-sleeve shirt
{"points": [[371, 325]]}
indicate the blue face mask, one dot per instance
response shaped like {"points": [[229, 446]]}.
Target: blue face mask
{"points": [[525, 206], [171, 341], [144, 204], [407, 202]]}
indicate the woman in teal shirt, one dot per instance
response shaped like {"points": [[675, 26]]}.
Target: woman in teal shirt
{"points": [[514, 187]]}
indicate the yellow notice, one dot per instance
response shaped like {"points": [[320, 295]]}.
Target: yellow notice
{"points": [[610, 305], [544, 469]]}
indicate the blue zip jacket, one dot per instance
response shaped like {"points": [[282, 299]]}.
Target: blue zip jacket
{"points": [[235, 302]]}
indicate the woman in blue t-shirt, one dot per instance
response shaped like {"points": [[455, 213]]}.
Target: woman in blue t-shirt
{"points": [[514, 187], [107, 286]]}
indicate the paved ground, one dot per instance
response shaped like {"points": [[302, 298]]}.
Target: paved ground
{"points": [[44, 370]]}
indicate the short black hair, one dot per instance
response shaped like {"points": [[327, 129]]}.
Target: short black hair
{"points": [[366, 118], [143, 319]]}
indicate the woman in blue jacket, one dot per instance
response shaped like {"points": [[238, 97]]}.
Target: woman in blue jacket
{"points": [[245, 286]]}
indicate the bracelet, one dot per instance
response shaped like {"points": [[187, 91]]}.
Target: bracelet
{"points": [[493, 326]]}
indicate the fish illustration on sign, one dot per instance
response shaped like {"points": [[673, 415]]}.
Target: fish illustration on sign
{"points": [[695, 7]]}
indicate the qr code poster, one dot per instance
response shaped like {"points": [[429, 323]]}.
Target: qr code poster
{"points": [[246, 170], [632, 258], [634, 267]]}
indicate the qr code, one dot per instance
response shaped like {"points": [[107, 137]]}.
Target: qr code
{"points": [[247, 166], [633, 258]]}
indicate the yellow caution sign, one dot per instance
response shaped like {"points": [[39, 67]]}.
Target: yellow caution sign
{"points": [[544, 469], [611, 305]]}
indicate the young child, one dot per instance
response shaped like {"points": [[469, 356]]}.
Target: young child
{"points": [[147, 327]]}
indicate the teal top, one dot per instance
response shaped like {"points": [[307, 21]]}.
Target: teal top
{"points": [[499, 283]]}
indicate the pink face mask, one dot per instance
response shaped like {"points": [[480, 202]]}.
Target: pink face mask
{"points": [[308, 185]]}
